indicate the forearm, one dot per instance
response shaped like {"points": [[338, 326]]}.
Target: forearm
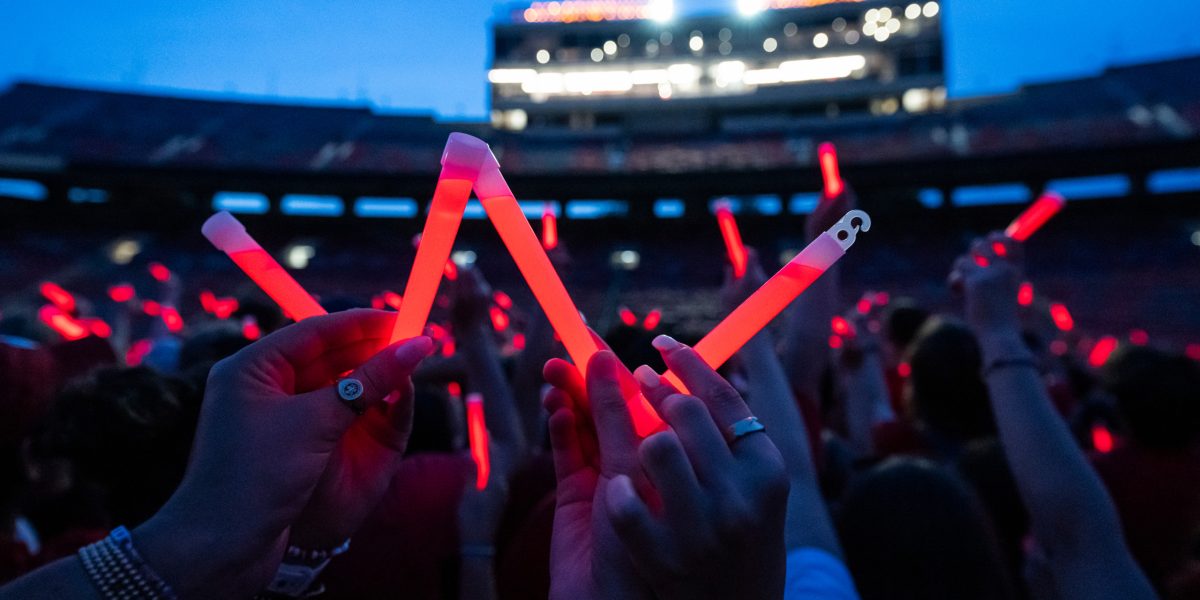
{"points": [[63, 579], [771, 399], [866, 401], [476, 581], [486, 375], [806, 341]]}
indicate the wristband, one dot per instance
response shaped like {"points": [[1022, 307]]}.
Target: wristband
{"points": [[297, 574], [117, 570]]}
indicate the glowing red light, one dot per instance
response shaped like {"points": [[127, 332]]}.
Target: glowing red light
{"points": [[627, 316], [518, 341], [1025, 294], [1059, 347], [377, 302], [62, 323], [477, 433], [882, 298], [208, 301], [60, 298], [454, 389], [549, 228], [1139, 337], [451, 270], [171, 319], [1192, 351], [433, 254], [502, 300], [733, 240], [999, 249], [1062, 317], [97, 327], [827, 154], [159, 271], [151, 308], [250, 328], [981, 261], [121, 292], [137, 352], [1102, 438], [904, 370], [835, 342], [393, 299], [1032, 219], [436, 331], [863, 306], [842, 327], [448, 347], [652, 320], [500, 319], [1102, 350], [225, 307]]}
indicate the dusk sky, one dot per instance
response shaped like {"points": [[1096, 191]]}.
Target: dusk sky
{"points": [[422, 56]]}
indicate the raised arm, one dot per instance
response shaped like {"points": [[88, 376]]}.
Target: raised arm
{"points": [[1074, 520], [861, 370]]}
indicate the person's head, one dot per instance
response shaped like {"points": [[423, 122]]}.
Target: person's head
{"points": [[902, 322], [1158, 395], [946, 392], [913, 530], [124, 431]]}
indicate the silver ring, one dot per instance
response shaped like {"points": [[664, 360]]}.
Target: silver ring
{"points": [[743, 428], [350, 392]]}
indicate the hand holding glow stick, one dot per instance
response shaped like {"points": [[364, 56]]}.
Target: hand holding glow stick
{"points": [[757, 311], [827, 156], [535, 266], [733, 240], [460, 164], [477, 434], [229, 235], [1035, 216]]}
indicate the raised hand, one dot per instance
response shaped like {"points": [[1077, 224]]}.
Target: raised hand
{"points": [[990, 276], [718, 530]]}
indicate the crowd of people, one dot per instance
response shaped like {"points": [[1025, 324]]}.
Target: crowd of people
{"points": [[893, 454]]}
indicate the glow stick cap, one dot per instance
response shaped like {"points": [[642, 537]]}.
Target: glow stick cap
{"points": [[227, 233], [465, 156]]}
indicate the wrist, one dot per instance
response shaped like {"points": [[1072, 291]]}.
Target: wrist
{"points": [[196, 560], [1002, 344]]}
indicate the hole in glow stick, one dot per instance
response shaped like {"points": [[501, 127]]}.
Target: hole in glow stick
{"points": [[172, 319], [904, 370]]}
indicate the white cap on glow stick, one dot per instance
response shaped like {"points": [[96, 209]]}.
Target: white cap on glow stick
{"points": [[464, 157], [228, 234], [475, 398], [831, 245]]}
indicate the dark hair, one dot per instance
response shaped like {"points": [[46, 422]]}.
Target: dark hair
{"points": [[913, 530], [1158, 395], [948, 393], [126, 431], [903, 321], [432, 426]]}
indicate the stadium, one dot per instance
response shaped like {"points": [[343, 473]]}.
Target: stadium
{"points": [[633, 124]]}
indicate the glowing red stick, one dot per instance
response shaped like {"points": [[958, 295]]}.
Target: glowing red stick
{"points": [[62, 323], [171, 318], [208, 301], [152, 308], [229, 236], [627, 316], [477, 433], [1102, 438], [778, 292], [225, 307], [733, 240], [1025, 294], [137, 351], [842, 327], [653, 318], [827, 154], [518, 341], [1062, 317], [1139, 337], [441, 226], [535, 266], [60, 298], [122, 292], [1102, 350], [393, 299], [250, 328], [1035, 216], [97, 326], [904, 370], [502, 300], [549, 228], [159, 271], [864, 305], [500, 319], [451, 270]]}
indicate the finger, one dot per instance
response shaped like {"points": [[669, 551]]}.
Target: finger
{"points": [[666, 465], [642, 537], [610, 415], [564, 443], [724, 403], [303, 342], [700, 438], [389, 370], [653, 386], [564, 376], [336, 362], [558, 398]]}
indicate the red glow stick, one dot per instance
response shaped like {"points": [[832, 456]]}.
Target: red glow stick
{"points": [[500, 319], [477, 433], [208, 301], [535, 266], [122, 292], [1025, 294], [250, 328], [502, 300], [733, 240], [1102, 439], [60, 298], [137, 352], [827, 155], [171, 319], [842, 327], [1102, 350], [229, 236], [1139, 337], [62, 323], [904, 370], [152, 308], [757, 311], [97, 327], [549, 228], [518, 341], [460, 163], [627, 316], [864, 305], [1035, 216], [835, 341], [1062, 317], [451, 270], [393, 299], [159, 271], [653, 318]]}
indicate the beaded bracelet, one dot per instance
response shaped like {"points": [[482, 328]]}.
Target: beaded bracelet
{"points": [[119, 572]]}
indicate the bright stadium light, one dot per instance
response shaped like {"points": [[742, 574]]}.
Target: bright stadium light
{"points": [[749, 8], [661, 10]]}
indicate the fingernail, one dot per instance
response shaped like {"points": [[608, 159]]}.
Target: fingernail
{"points": [[422, 344], [646, 376], [665, 343]]}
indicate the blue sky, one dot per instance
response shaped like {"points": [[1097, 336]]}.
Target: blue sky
{"points": [[431, 55]]}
